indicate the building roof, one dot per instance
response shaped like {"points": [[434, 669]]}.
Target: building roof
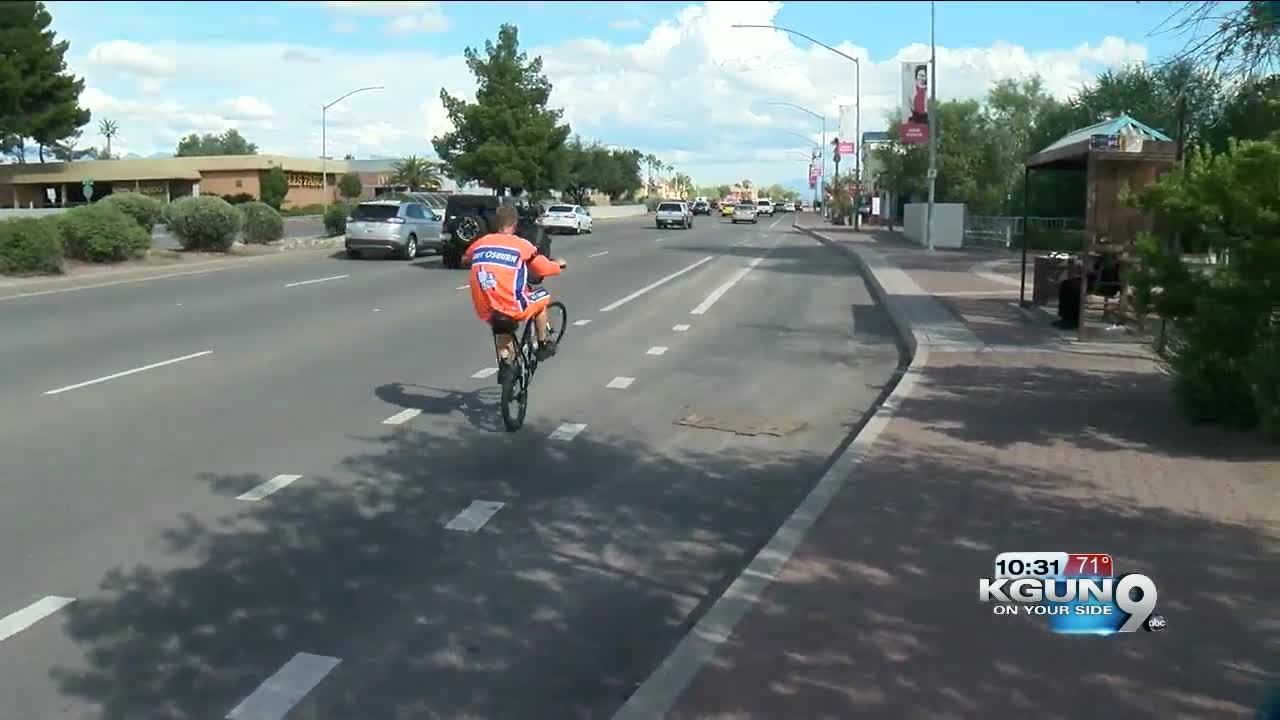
{"points": [[176, 168], [1108, 127]]}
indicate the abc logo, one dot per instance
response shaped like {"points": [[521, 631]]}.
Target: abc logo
{"points": [[1155, 623]]}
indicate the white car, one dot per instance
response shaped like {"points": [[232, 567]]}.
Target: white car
{"points": [[674, 213], [764, 207], [744, 212], [567, 219]]}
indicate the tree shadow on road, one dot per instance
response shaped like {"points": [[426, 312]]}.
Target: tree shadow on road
{"points": [[557, 608]]}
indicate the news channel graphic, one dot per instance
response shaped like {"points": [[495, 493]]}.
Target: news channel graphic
{"points": [[1078, 593]]}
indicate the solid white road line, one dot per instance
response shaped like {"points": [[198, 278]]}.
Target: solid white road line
{"points": [[402, 417], [680, 328], [606, 252], [581, 322], [475, 516], [462, 287], [113, 376], [620, 383], [567, 431], [277, 695], [719, 292], [487, 372], [131, 281], [269, 487], [15, 623], [656, 350], [619, 303], [317, 280]]}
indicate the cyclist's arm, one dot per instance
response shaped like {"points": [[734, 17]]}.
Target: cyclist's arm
{"points": [[543, 266]]}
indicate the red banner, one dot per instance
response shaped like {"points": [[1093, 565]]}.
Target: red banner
{"points": [[913, 133], [845, 148]]}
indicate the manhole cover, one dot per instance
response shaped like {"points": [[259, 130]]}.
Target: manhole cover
{"points": [[744, 424]]}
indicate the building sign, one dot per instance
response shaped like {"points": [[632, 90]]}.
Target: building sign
{"points": [[308, 180], [153, 188]]}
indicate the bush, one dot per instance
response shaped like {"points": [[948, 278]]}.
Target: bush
{"points": [[335, 219], [298, 210], [205, 223], [166, 213], [1263, 375], [262, 224], [239, 198], [349, 186], [274, 186], [30, 245], [102, 234], [144, 209]]}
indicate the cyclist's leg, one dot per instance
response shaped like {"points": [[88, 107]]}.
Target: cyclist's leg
{"points": [[536, 312], [504, 342]]}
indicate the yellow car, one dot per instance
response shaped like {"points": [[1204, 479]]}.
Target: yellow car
{"points": [[726, 210]]}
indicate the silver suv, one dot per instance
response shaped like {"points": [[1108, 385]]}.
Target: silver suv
{"points": [[397, 227]]}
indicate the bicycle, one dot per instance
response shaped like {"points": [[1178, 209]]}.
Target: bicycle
{"points": [[515, 386]]}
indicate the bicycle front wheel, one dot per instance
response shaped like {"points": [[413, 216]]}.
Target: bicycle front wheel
{"points": [[515, 397], [557, 321]]}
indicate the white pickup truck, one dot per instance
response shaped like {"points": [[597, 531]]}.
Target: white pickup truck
{"points": [[674, 214]]}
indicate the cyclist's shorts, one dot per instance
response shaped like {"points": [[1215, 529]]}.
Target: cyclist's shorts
{"points": [[536, 301]]}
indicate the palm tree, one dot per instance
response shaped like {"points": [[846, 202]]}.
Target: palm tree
{"points": [[108, 129], [417, 173], [745, 184], [651, 162]]}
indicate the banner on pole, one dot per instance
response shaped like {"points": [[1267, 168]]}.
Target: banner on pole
{"points": [[915, 103]]}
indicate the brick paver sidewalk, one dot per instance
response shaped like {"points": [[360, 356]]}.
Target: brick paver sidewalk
{"points": [[1035, 445]]}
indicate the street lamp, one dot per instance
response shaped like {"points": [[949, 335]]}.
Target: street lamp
{"points": [[324, 143], [822, 179], [857, 122]]}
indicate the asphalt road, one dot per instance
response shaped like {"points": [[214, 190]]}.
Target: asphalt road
{"points": [[148, 574], [294, 227]]}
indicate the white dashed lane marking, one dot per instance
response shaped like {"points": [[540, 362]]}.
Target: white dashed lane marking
{"points": [[475, 516], [606, 252], [317, 280], [462, 287], [487, 372], [657, 350], [402, 417], [620, 383], [269, 487], [16, 622], [680, 328], [125, 373], [567, 431], [582, 322], [277, 695]]}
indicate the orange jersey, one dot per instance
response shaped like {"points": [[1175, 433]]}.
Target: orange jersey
{"points": [[500, 265]]}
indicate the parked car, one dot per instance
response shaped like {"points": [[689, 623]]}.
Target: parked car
{"points": [[397, 227], [744, 212], [567, 218], [702, 208], [764, 207], [672, 213]]}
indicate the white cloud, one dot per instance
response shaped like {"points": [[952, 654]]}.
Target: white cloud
{"points": [[132, 58], [344, 27], [628, 24], [637, 94], [406, 17]]}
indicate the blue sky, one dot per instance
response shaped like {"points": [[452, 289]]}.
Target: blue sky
{"points": [[162, 69]]}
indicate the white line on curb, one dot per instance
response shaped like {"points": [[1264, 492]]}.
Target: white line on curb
{"points": [[113, 376], [269, 487], [487, 372], [656, 350], [620, 383], [277, 695], [475, 516], [16, 622], [567, 431], [402, 417], [317, 280], [619, 303]]}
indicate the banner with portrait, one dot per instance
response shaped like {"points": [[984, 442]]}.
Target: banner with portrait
{"points": [[915, 103]]}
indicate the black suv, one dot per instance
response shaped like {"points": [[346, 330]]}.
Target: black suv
{"points": [[701, 208], [468, 217]]}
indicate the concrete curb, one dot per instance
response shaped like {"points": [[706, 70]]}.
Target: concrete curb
{"points": [[661, 691], [313, 243]]}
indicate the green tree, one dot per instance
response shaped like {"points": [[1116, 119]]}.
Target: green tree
{"points": [[274, 186], [349, 186], [415, 172], [230, 142], [1251, 113], [1242, 43], [39, 99], [722, 191], [508, 137], [66, 150]]}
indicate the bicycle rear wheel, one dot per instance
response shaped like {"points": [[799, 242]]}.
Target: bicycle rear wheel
{"points": [[515, 396], [557, 321]]}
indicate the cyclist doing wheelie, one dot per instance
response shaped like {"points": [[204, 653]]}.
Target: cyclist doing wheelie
{"points": [[502, 267]]}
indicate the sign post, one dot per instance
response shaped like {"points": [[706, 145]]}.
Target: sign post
{"points": [[87, 186]]}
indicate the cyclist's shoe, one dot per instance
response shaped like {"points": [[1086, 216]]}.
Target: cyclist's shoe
{"points": [[546, 350], [505, 368]]}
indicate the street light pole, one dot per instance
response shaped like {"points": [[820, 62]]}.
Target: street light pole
{"points": [[822, 179], [324, 143], [858, 100], [933, 129]]}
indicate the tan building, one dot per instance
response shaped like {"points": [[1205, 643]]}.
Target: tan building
{"points": [[43, 185]]}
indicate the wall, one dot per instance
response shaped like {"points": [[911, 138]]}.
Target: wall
{"points": [[948, 224], [223, 182], [607, 212]]}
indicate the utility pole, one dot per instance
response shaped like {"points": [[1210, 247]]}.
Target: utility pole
{"points": [[933, 129]]}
